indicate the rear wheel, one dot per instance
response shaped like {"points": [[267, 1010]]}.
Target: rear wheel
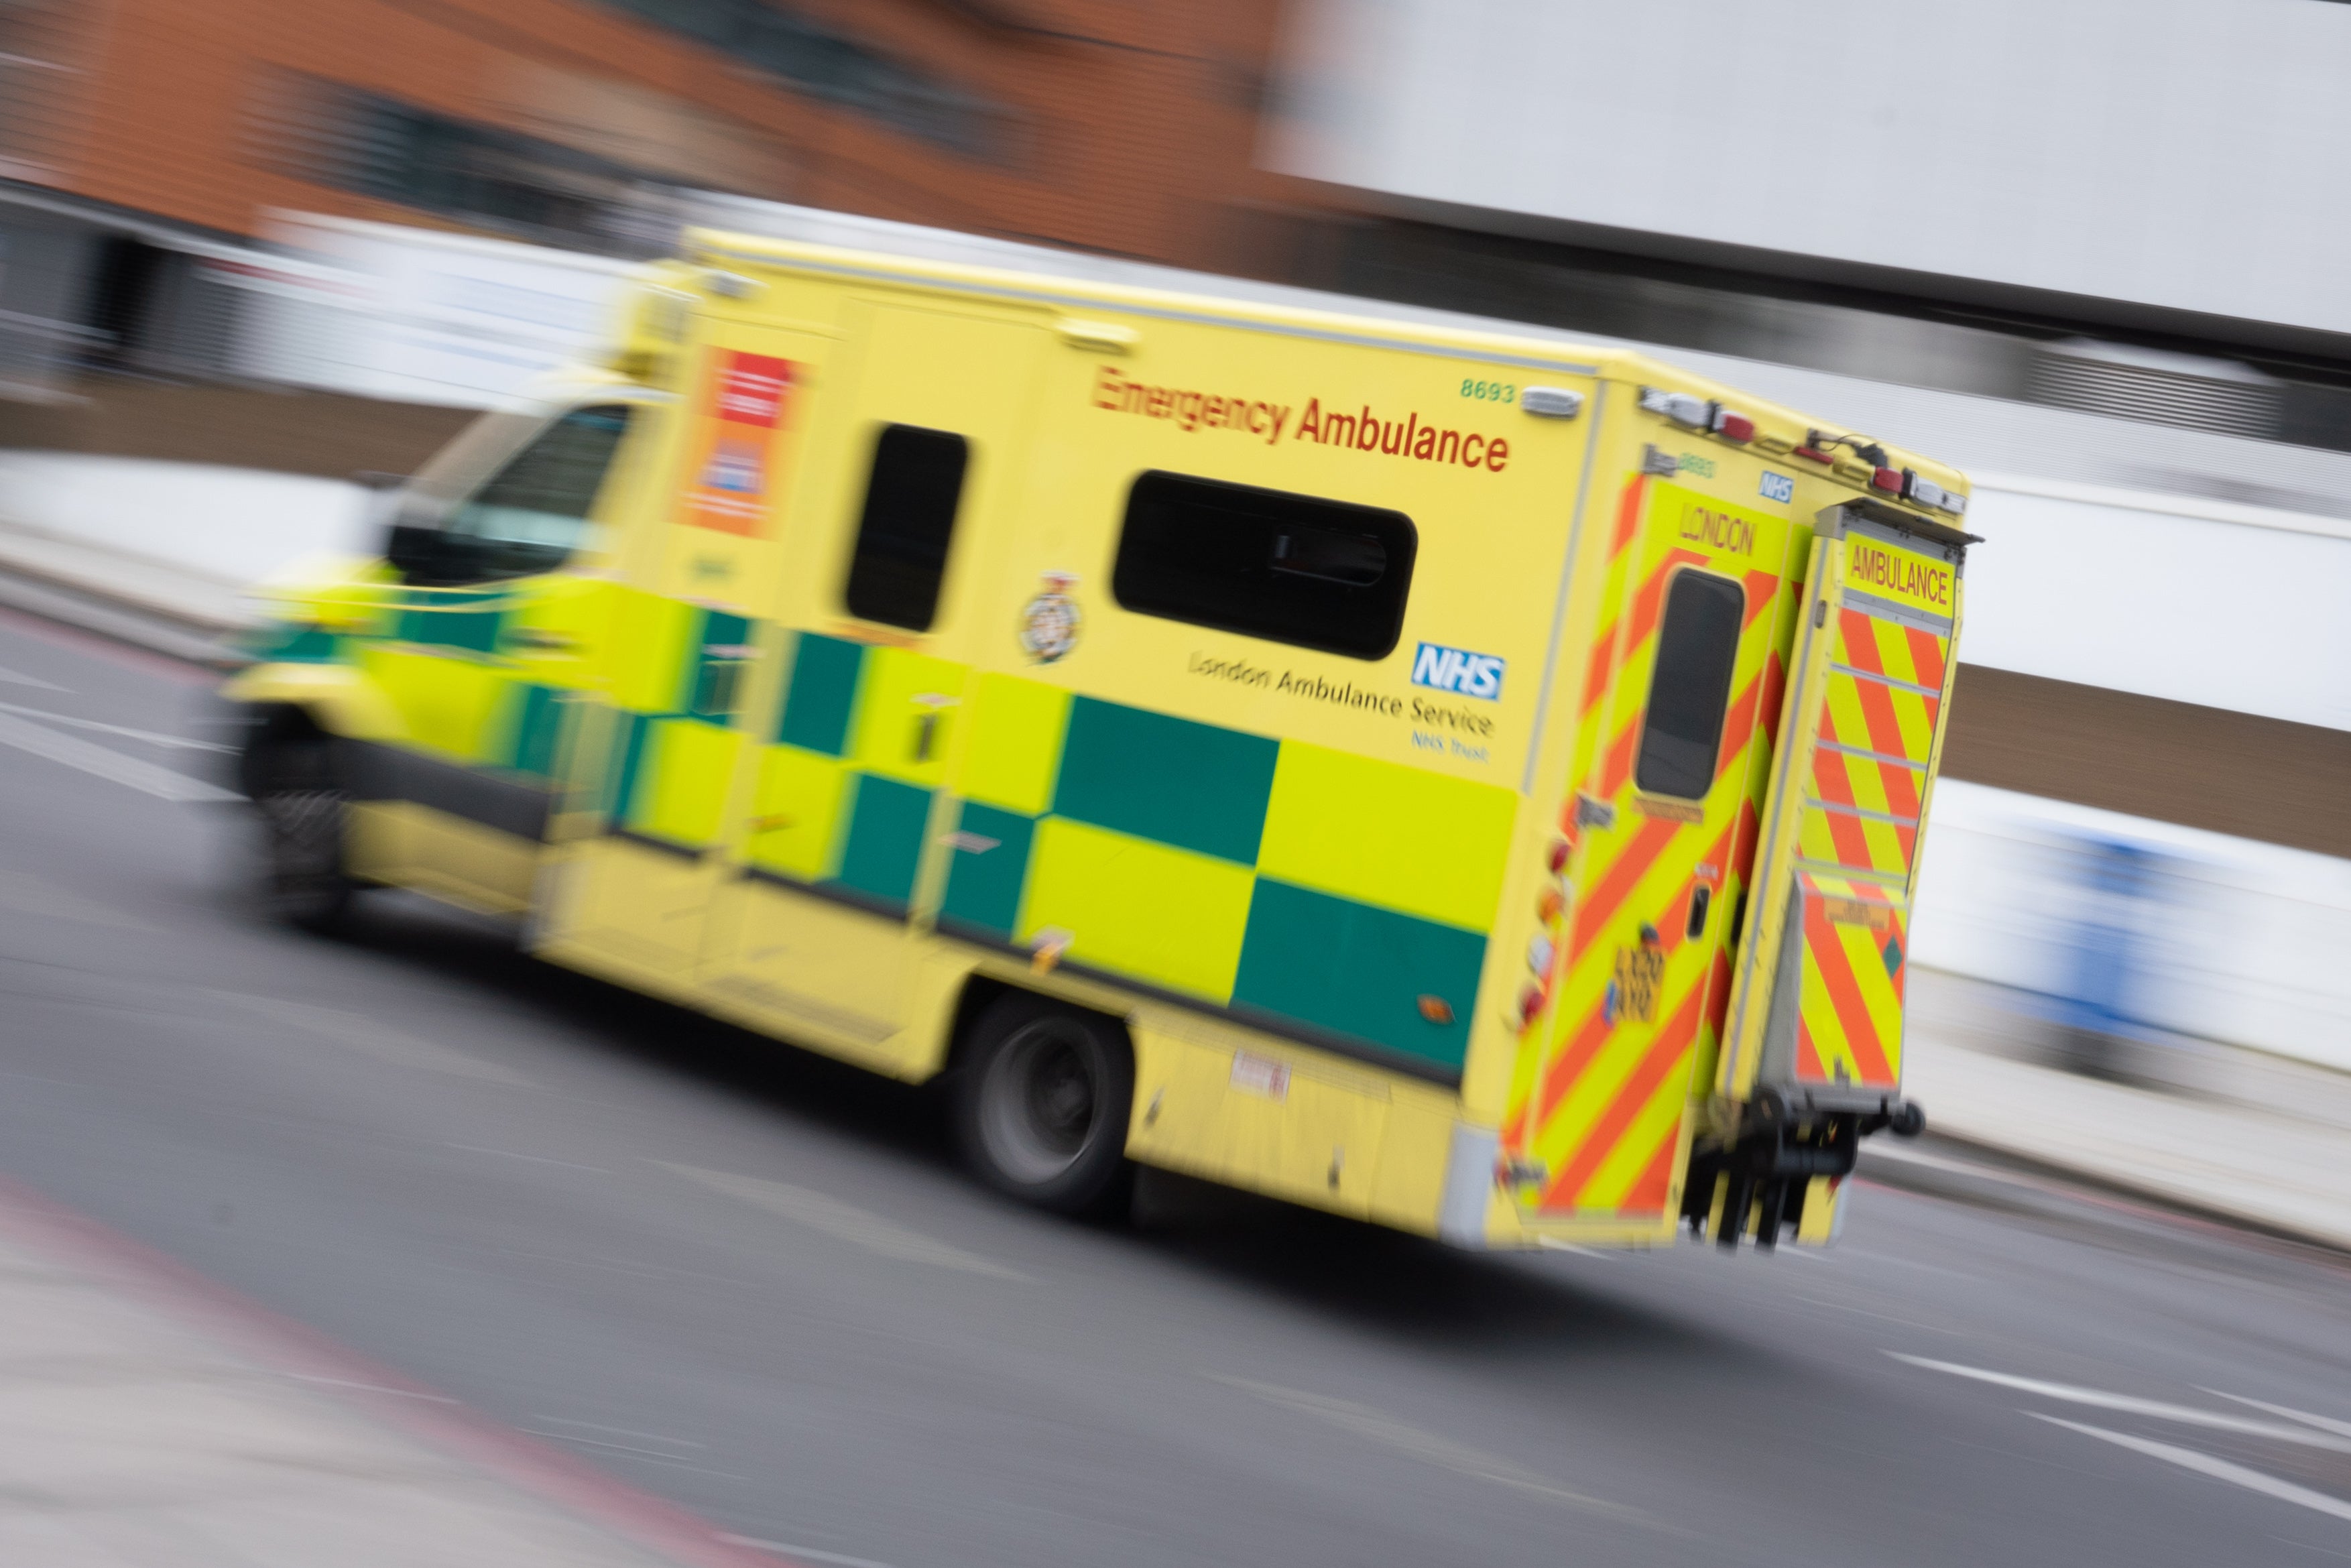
{"points": [[1041, 1106], [304, 810]]}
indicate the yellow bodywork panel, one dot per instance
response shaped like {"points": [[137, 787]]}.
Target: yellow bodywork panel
{"points": [[1402, 837], [906, 715], [649, 647], [1173, 917], [451, 702], [1016, 743], [797, 812], [342, 697], [681, 795]]}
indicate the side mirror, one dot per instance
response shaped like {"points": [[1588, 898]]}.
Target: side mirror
{"points": [[419, 553]]}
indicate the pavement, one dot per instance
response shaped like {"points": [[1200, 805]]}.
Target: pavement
{"points": [[149, 1421], [409, 1228]]}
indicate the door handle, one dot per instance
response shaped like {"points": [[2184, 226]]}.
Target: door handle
{"points": [[926, 727]]}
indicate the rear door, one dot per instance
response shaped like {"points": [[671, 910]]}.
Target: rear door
{"points": [[1689, 676], [1816, 1013]]}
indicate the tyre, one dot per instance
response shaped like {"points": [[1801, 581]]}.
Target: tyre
{"points": [[1041, 1106], [304, 810]]}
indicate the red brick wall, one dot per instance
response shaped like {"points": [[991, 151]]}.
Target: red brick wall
{"points": [[1135, 121]]}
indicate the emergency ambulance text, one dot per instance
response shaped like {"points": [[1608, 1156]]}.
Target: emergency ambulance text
{"points": [[1868, 566], [1191, 410], [1365, 432]]}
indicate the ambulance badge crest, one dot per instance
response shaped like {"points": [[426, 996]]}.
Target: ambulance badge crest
{"points": [[1049, 622]]}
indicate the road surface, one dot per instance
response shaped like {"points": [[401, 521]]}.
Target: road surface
{"points": [[754, 1282]]}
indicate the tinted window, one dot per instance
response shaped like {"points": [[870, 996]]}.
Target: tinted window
{"points": [[534, 513], [1697, 642], [1266, 563], [901, 536]]}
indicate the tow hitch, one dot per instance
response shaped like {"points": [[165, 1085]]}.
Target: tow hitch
{"points": [[1757, 1180]]}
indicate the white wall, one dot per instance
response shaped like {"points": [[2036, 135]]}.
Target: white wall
{"points": [[418, 316], [2248, 946], [2178, 152], [233, 525], [2165, 596]]}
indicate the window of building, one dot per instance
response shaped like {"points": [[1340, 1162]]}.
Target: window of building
{"points": [[532, 515], [1698, 644], [911, 497], [826, 63], [1266, 563], [525, 186]]}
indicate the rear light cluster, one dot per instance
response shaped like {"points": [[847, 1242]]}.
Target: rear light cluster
{"points": [[1697, 414], [1543, 947], [1904, 484]]}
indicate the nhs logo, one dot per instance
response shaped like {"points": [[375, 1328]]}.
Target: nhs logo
{"points": [[1458, 671]]}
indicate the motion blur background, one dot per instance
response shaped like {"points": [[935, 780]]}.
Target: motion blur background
{"points": [[2092, 252], [2082, 248]]}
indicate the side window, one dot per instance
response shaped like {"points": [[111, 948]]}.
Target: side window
{"points": [[534, 513], [1266, 563], [1698, 642], [910, 498]]}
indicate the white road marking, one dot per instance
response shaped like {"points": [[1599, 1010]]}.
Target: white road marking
{"points": [[1430, 1447], [1553, 1244], [811, 1553], [2205, 1464], [617, 1431], [534, 1159], [151, 737], [843, 1221], [369, 1039], [18, 678], [2187, 1415], [370, 1389], [136, 772], [2324, 1423]]}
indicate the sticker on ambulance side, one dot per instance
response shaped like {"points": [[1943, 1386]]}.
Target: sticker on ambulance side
{"points": [[1050, 623], [1458, 671], [1778, 486]]}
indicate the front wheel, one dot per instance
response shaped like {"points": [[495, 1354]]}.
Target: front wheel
{"points": [[304, 810], [1041, 1106]]}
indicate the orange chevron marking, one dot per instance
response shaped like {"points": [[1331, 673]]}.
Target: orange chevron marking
{"points": [[1628, 516], [1926, 652], [1718, 990], [1739, 724], [1742, 844], [1668, 1049], [1762, 589], [1572, 1062], [1613, 889], [1655, 1183], [1877, 712], [1859, 637], [1845, 831], [1775, 694], [1596, 677], [1845, 995], [1901, 793], [1619, 764], [1808, 1057]]}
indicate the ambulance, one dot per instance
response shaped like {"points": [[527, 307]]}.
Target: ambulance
{"points": [[1443, 776]]}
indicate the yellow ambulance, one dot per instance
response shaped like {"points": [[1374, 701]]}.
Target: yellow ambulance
{"points": [[1442, 777]]}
